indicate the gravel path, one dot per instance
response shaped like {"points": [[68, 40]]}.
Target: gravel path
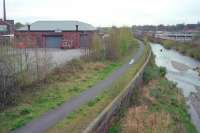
{"points": [[51, 118]]}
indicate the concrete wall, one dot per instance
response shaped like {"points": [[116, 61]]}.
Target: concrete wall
{"points": [[123, 100]]}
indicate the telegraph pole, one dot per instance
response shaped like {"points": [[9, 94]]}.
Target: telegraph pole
{"points": [[4, 10]]}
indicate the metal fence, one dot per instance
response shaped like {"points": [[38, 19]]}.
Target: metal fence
{"points": [[19, 68]]}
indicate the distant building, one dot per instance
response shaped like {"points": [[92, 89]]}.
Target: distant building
{"points": [[55, 34], [175, 36], [6, 26], [179, 32]]}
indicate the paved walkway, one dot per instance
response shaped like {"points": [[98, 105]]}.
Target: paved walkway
{"points": [[51, 118]]}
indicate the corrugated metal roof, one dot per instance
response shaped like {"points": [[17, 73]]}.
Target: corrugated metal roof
{"points": [[58, 26]]}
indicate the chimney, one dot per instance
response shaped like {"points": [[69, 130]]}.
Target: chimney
{"points": [[4, 10], [76, 27], [29, 27]]}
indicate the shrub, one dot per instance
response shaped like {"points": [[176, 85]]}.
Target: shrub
{"points": [[153, 72], [115, 129], [156, 93], [162, 71]]}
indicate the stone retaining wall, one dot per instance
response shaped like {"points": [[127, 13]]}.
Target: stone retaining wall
{"points": [[123, 100]]}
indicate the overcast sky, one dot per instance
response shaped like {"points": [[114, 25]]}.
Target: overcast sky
{"points": [[106, 12]]}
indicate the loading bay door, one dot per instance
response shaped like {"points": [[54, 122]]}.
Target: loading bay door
{"points": [[53, 41]]}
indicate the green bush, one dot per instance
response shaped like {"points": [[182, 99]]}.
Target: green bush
{"points": [[156, 93], [162, 71], [115, 129], [153, 72]]}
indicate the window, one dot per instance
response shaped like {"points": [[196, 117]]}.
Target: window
{"points": [[3, 28]]}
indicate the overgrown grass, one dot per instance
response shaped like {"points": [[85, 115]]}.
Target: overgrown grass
{"points": [[87, 113], [161, 107], [64, 84], [169, 99], [68, 81]]}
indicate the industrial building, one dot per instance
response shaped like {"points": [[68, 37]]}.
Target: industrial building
{"points": [[6, 26], [55, 34]]}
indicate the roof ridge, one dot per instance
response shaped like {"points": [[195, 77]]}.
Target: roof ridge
{"points": [[65, 25]]}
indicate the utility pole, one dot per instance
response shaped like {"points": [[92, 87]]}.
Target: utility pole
{"points": [[4, 10]]}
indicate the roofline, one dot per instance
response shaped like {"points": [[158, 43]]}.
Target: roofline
{"points": [[54, 31], [92, 28]]}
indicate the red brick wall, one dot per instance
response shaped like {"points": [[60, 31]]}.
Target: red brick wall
{"points": [[32, 39], [74, 37]]}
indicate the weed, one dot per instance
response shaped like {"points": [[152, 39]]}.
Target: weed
{"points": [[25, 111], [74, 89], [21, 122], [94, 102], [115, 129], [156, 93], [71, 116]]}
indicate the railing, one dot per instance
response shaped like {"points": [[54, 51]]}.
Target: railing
{"points": [[101, 123]]}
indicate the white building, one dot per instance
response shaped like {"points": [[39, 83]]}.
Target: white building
{"points": [[175, 36]]}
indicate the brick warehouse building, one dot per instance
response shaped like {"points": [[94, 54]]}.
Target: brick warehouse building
{"points": [[55, 34]]}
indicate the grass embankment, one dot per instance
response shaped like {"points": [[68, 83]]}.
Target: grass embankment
{"points": [[77, 121], [187, 48], [160, 108], [72, 79], [63, 84]]}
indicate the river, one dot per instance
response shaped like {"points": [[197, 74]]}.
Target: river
{"points": [[180, 69]]}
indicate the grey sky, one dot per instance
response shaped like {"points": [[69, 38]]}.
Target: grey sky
{"points": [[106, 12]]}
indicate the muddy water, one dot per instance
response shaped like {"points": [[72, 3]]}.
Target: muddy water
{"points": [[180, 69]]}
